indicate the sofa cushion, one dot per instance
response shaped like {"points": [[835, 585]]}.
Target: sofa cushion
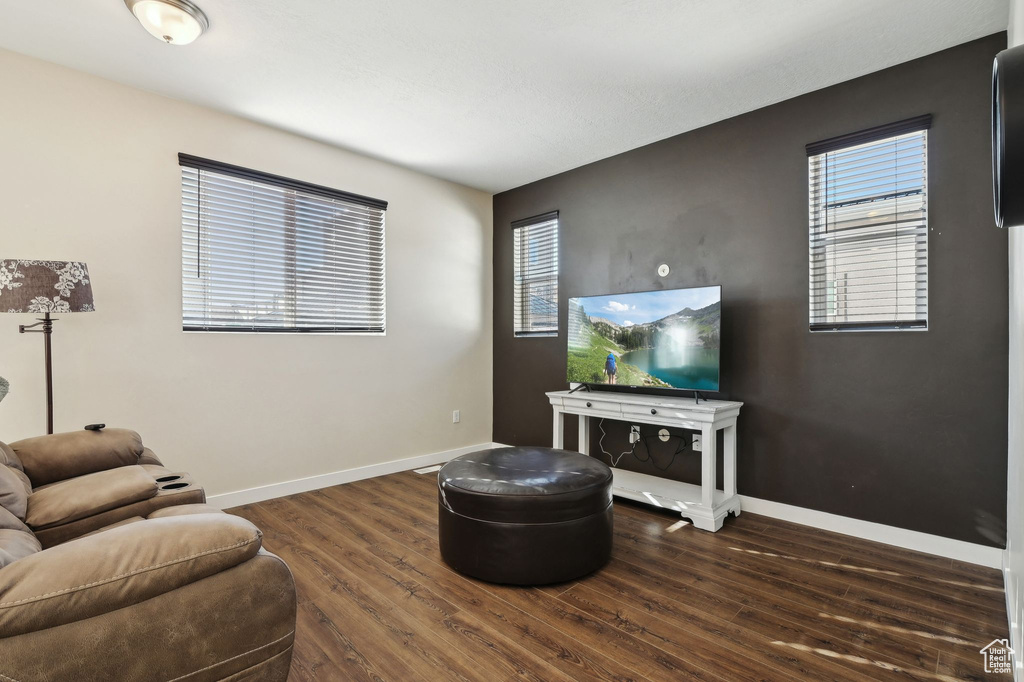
{"points": [[8, 458], [117, 524], [120, 567], [61, 456], [157, 470], [88, 495], [185, 510], [149, 457], [8, 521], [13, 491], [56, 535], [16, 544]]}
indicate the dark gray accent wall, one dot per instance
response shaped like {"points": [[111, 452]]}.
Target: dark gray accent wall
{"points": [[902, 428]]}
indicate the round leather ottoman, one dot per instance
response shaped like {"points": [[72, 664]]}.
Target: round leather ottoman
{"points": [[525, 516]]}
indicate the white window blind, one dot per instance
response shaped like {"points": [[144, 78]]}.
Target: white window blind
{"points": [[535, 290], [262, 253], [868, 200]]}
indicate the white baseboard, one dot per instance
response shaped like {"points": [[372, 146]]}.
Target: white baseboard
{"points": [[301, 485], [991, 557], [1011, 586]]}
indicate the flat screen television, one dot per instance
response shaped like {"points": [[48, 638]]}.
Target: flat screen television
{"points": [[665, 339]]}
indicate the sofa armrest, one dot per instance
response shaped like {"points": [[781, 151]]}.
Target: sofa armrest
{"points": [[88, 495], [149, 457], [119, 567], [60, 456], [235, 625]]}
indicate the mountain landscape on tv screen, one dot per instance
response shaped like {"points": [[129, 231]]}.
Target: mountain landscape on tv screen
{"points": [[680, 350]]}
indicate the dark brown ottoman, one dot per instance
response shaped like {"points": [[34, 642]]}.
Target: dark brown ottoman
{"points": [[525, 516]]}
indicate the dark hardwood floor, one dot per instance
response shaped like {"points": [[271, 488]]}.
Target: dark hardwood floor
{"points": [[759, 600]]}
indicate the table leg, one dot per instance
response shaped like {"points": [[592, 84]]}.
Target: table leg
{"points": [[707, 467], [584, 438], [729, 459], [559, 431]]}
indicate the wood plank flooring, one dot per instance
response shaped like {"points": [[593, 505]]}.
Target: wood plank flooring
{"points": [[759, 600]]}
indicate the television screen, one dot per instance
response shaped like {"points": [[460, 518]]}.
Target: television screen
{"points": [[653, 339]]}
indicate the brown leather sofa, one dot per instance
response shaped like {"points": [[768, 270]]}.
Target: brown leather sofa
{"points": [[108, 574], [86, 480]]}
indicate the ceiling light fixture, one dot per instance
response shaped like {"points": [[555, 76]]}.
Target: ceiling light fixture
{"points": [[177, 22]]}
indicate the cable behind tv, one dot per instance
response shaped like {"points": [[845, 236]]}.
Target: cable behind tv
{"points": [[615, 459]]}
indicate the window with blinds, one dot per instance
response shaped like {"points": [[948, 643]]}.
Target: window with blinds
{"points": [[263, 253], [535, 289], [868, 200]]}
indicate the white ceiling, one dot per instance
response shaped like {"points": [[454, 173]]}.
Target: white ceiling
{"points": [[497, 93]]}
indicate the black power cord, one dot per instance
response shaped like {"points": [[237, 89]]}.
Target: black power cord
{"points": [[683, 445]]}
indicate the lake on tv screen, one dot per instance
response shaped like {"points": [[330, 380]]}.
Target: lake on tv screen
{"points": [[695, 368], [658, 339]]}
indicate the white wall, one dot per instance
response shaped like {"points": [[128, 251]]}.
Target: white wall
{"points": [[89, 171], [1014, 556]]}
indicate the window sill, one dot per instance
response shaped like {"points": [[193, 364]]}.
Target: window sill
{"points": [[824, 329], [249, 332]]}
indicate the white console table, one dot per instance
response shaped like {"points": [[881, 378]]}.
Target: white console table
{"points": [[705, 506]]}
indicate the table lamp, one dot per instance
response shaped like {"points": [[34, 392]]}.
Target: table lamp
{"points": [[44, 286]]}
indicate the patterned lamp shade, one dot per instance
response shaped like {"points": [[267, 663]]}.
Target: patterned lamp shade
{"points": [[44, 286]]}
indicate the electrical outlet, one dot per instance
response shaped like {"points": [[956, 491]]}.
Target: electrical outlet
{"points": [[455, 417], [634, 433], [695, 443]]}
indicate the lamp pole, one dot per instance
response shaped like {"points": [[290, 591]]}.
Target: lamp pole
{"points": [[47, 287], [47, 331]]}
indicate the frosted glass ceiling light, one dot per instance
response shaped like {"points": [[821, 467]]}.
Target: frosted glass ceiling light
{"points": [[177, 22]]}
